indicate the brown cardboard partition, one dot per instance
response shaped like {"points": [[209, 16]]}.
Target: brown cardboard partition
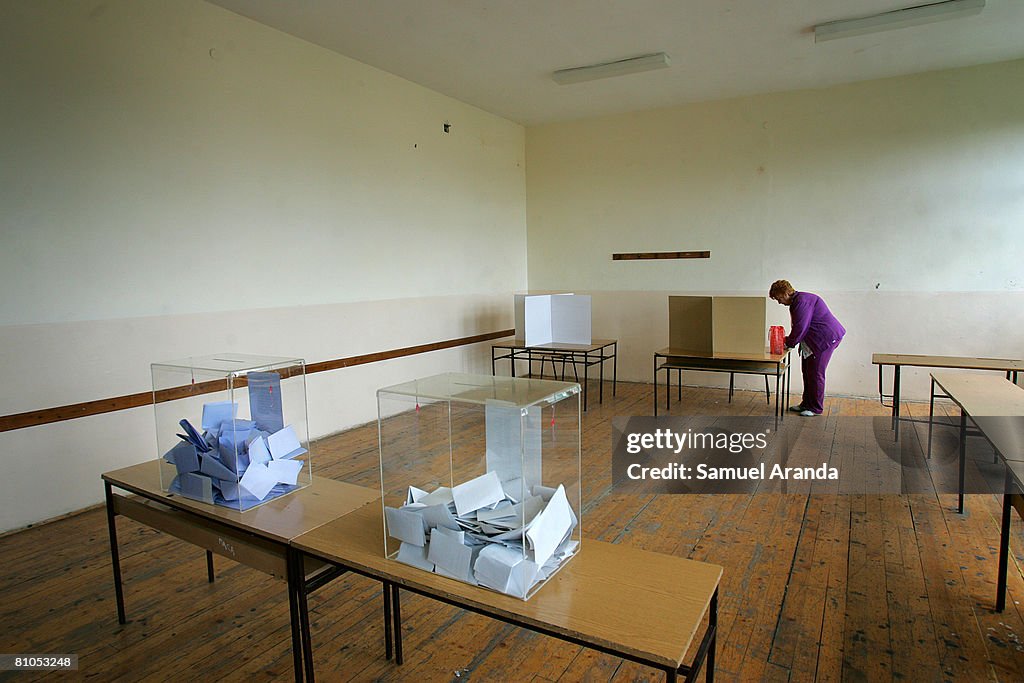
{"points": [[739, 324], [689, 323], [718, 324]]}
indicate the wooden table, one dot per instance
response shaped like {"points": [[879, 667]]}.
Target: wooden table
{"points": [[597, 352], [996, 407], [638, 605], [259, 538], [767, 364], [1009, 366]]}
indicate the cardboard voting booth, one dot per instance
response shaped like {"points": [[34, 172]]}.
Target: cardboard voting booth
{"points": [[553, 318], [231, 428], [481, 478], [717, 324]]}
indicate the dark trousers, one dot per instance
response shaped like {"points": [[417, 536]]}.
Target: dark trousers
{"points": [[813, 368]]}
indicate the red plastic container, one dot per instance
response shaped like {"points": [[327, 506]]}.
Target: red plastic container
{"points": [[776, 339]]}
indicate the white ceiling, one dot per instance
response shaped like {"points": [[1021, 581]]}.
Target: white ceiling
{"points": [[499, 54]]}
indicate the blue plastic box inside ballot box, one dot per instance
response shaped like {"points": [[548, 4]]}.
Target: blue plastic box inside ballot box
{"points": [[231, 429]]}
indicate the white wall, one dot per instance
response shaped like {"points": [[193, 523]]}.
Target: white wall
{"points": [[901, 201], [178, 180]]}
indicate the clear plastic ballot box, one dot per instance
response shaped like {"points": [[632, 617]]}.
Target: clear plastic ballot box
{"points": [[480, 477], [231, 428]]}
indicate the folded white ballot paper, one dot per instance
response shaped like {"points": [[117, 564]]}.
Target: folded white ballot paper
{"points": [[437, 516], [443, 495], [449, 553], [405, 525], [483, 491], [505, 569], [476, 532], [550, 527], [414, 555], [414, 495]]}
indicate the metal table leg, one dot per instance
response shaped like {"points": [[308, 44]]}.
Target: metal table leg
{"points": [[896, 402], [931, 416], [387, 619], [294, 612], [115, 559], [655, 386], [614, 367], [586, 392], [1004, 545], [963, 458], [396, 606]]}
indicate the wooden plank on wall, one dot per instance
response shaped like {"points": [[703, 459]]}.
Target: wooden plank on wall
{"points": [[658, 255]]}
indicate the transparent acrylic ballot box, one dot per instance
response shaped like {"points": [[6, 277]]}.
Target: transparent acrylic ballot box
{"points": [[480, 478], [231, 428]]}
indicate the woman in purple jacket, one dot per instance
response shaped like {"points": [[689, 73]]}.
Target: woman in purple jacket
{"points": [[818, 333]]}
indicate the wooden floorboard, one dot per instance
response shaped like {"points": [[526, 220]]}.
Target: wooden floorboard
{"points": [[816, 587]]}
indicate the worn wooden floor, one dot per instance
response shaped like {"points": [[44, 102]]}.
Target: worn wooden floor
{"points": [[816, 587]]}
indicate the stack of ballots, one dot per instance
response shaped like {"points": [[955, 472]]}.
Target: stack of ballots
{"points": [[481, 532], [235, 463]]}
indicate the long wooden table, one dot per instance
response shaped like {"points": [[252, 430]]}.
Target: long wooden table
{"points": [[597, 352], [996, 407], [767, 364], [1010, 366], [259, 538], [638, 605]]}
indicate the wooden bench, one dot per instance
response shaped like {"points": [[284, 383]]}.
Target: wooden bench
{"points": [[642, 606]]}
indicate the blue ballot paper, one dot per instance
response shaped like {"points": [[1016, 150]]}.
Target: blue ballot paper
{"points": [[284, 445], [218, 412], [213, 467], [233, 456], [229, 490], [236, 428], [184, 457], [265, 401], [258, 452], [197, 487], [192, 436]]}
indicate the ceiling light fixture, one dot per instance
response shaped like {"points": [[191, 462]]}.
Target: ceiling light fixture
{"points": [[901, 18], [633, 65]]}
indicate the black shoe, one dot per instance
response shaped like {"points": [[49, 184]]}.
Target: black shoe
{"points": [[796, 409]]}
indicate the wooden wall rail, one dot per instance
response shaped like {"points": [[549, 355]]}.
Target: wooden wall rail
{"points": [[658, 255], [108, 405]]}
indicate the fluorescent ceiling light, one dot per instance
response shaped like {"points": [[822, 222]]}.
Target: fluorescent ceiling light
{"points": [[901, 18], [622, 67]]}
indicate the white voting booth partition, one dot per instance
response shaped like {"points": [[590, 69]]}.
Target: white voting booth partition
{"points": [[553, 318]]}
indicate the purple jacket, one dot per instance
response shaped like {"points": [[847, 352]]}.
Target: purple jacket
{"points": [[813, 323]]}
